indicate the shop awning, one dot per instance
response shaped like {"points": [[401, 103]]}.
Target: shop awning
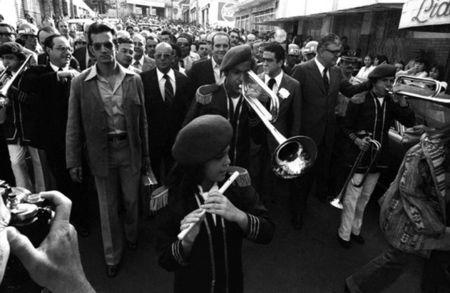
{"points": [[362, 9], [425, 13]]}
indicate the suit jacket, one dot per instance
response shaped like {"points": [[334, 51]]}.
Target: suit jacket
{"points": [[87, 122], [164, 120], [318, 119], [202, 73], [43, 59], [149, 64], [290, 110], [80, 55]]}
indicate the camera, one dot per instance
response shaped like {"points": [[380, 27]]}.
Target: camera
{"points": [[31, 215]]}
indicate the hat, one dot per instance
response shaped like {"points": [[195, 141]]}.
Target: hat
{"points": [[27, 29], [310, 47], [381, 71], [294, 49], [202, 139], [12, 48], [235, 56]]}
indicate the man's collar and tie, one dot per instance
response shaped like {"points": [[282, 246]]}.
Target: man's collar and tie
{"points": [[139, 63], [167, 85], [325, 73], [57, 68], [273, 83]]}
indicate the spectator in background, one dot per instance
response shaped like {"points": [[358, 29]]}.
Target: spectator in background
{"points": [[399, 65], [28, 34], [310, 50], [251, 38], [141, 62], [150, 45], [345, 46], [203, 50], [176, 59], [63, 28], [184, 41], [364, 72], [166, 36], [292, 59], [124, 53], [418, 70], [380, 59], [234, 37]]}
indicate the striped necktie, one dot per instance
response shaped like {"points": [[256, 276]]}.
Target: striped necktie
{"points": [[168, 90]]}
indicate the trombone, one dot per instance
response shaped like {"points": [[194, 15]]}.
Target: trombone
{"points": [[337, 201], [420, 88], [294, 155], [6, 81]]}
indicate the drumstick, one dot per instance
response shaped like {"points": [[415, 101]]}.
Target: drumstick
{"points": [[222, 189]]}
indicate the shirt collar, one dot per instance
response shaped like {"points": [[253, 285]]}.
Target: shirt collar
{"points": [[56, 68], [204, 194], [141, 61], [122, 72], [321, 67], [277, 78], [170, 73], [214, 63]]}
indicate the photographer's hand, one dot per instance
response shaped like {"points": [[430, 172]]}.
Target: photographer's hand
{"points": [[56, 263]]}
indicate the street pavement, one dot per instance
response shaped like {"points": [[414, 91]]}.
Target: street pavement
{"points": [[309, 260]]}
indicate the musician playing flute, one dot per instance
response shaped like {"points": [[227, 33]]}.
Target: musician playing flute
{"points": [[208, 258], [369, 118]]}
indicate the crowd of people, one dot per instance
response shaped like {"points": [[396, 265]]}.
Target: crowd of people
{"points": [[165, 101]]}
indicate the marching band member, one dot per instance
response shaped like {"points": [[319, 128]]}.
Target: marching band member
{"points": [[369, 118], [208, 258]]}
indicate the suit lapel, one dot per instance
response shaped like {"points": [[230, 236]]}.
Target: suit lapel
{"points": [[93, 91], [210, 71], [316, 74]]}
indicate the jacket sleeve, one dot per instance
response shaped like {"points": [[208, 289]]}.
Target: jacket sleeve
{"points": [[194, 111], [350, 119], [169, 249], [296, 112], [74, 132], [348, 89], [260, 226]]}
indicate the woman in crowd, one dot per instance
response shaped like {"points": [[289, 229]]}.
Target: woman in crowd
{"points": [[366, 69]]}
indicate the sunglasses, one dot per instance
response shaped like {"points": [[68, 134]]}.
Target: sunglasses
{"points": [[98, 46], [160, 56], [335, 52]]}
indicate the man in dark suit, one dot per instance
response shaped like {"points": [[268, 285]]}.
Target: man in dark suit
{"points": [[207, 71], [167, 98], [320, 82], [288, 122], [107, 112]]}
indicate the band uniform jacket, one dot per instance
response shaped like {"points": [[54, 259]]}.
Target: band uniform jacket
{"points": [[87, 122], [288, 122], [164, 119], [201, 73], [246, 125], [215, 261], [318, 107], [367, 117]]}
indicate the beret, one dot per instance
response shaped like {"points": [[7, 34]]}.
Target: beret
{"points": [[12, 48], [201, 140], [235, 56], [310, 47], [381, 71]]}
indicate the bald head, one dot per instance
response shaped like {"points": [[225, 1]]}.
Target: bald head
{"points": [[163, 56]]}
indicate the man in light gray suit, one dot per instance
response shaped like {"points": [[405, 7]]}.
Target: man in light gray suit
{"points": [[140, 60], [106, 112]]}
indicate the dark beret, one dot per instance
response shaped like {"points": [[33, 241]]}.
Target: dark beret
{"points": [[201, 140], [235, 56], [12, 48], [381, 71]]}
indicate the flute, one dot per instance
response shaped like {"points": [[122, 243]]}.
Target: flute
{"points": [[222, 189]]}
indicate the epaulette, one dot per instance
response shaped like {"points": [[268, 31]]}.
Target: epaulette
{"points": [[205, 92], [159, 199], [243, 180]]}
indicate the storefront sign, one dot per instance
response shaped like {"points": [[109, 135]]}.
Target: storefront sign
{"points": [[425, 12], [226, 11]]}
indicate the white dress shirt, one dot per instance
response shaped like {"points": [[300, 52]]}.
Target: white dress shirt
{"points": [[162, 82], [138, 63], [56, 68], [277, 78], [321, 68], [216, 70]]}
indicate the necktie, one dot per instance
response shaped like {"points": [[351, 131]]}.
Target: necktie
{"points": [[271, 83], [168, 90], [182, 63], [136, 64], [326, 82]]}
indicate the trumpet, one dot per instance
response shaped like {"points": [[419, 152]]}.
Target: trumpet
{"points": [[293, 156], [337, 201], [7, 81], [420, 88]]}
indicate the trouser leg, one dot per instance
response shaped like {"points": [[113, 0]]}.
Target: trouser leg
{"points": [[39, 181], [129, 182], [17, 154], [351, 197], [367, 190], [112, 234]]}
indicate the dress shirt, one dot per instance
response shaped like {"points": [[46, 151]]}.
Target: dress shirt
{"points": [[363, 73], [162, 82], [56, 68], [112, 96], [138, 63], [321, 69], [205, 196], [216, 70], [277, 78]]}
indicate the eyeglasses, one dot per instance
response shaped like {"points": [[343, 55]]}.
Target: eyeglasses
{"points": [[160, 56], [335, 52], [63, 49], [98, 46]]}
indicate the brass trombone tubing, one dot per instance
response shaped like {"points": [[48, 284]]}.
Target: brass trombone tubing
{"points": [[274, 102], [434, 96]]}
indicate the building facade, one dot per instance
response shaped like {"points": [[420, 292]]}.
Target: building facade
{"points": [[251, 15], [208, 13]]}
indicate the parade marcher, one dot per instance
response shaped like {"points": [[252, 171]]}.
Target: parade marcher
{"points": [[412, 217], [28, 34], [209, 258], [320, 82], [226, 99], [20, 123], [8, 34], [288, 122], [125, 52], [150, 45], [204, 50], [176, 59], [106, 111], [188, 57], [141, 61], [366, 119], [43, 59], [168, 95], [208, 71]]}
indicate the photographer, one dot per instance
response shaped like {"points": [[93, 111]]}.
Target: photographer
{"points": [[56, 263]]}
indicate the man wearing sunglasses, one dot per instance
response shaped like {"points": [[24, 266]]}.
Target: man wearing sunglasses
{"points": [[320, 82], [106, 112]]}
